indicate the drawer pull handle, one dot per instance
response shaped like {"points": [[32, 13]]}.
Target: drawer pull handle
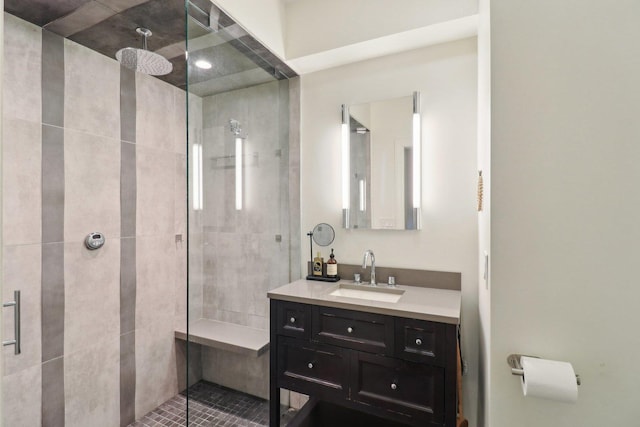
{"points": [[350, 329], [292, 320], [394, 386], [418, 341], [310, 365]]}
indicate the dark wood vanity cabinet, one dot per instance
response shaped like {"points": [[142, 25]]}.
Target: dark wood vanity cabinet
{"points": [[399, 369]]}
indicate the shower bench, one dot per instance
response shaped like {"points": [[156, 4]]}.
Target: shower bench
{"points": [[226, 336]]}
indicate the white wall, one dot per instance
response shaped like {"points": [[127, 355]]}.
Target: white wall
{"points": [[484, 217], [446, 77], [314, 26], [1, 186], [261, 18], [565, 202]]}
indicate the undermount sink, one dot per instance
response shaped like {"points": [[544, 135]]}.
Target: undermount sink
{"points": [[368, 292]]}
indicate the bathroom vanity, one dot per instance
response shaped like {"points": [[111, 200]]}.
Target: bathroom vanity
{"points": [[383, 352]]}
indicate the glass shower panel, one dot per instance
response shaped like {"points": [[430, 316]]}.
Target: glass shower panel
{"points": [[239, 207]]}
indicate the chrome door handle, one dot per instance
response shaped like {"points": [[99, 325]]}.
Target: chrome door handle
{"points": [[16, 321]]}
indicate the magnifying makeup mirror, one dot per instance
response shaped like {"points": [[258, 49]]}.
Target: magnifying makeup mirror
{"points": [[323, 234]]}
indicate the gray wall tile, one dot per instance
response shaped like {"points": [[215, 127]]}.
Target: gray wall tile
{"points": [[180, 122], [22, 398], [245, 373], [22, 182], [155, 283], [156, 368], [127, 285], [127, 378], [52, 184], [92, 294], [21, 271], [89, 107], [155, 206], [155, 113], [53, 301], [92, 383], [128, 258], [92, 185], [128, 189], [53, 397], [53, 80], [127, 105], [22, 92]]}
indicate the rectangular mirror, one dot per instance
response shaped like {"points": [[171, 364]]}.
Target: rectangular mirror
{"points": [[381, 168]]}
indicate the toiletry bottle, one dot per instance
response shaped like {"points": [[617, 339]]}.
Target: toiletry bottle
{"points": [[332, 266], [317, 265]]}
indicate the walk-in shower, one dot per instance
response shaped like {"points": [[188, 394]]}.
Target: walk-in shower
{"points": [[91, 144], [244, 240]]}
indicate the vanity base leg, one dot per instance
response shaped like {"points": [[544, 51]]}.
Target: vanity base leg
{"points": [[274, 390]]}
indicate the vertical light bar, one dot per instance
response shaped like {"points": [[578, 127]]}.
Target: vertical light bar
{"points": [[346, 162], [238, 173], [417, 152], [363, 195], [197, 177]]}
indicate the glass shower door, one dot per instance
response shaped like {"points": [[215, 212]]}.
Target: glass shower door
{"points": [[240, 209]]}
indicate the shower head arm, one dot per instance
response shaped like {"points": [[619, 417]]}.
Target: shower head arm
{"points": [[144, 32]]}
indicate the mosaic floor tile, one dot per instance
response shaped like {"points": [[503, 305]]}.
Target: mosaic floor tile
{"points": [[211, 405]]}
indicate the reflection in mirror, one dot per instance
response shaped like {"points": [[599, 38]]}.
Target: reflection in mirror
{"points": [[381, 164]]}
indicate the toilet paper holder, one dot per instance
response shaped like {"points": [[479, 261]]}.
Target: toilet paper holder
{"points": [[516, 367]]}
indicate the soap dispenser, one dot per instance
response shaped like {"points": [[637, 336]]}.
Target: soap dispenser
{"points": [[332, 266], [317, 265]]}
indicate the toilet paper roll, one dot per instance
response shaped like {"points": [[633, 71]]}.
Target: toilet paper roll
{"points": [[549, 379]]}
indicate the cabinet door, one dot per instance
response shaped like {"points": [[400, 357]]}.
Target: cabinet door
{"points": [[312, 368], [399, 386]]}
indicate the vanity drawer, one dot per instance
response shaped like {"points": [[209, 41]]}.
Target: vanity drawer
{"points": [[399, 386], [423, 341], [293, 319], [312, 368], [353, 329]]}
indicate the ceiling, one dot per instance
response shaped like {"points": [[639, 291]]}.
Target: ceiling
{"points": [[109, 25]]}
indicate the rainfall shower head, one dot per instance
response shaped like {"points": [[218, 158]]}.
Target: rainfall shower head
{"points": [[143, 60]]}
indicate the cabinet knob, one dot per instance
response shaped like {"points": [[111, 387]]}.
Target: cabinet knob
{"points": [[292, 320], [310, 365], [418, 341], [350, 329], [394, 386]]}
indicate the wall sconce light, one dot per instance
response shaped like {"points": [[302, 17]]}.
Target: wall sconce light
{"points": [[345, 166], [238, 173], [362, 187], [236, 129], [197, 177], [417, 157]]}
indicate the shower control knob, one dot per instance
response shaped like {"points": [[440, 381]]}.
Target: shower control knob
{"points": [[94, 241], [310, 365], [394, 386], [350, 329], [418, 341], [292, 320]]}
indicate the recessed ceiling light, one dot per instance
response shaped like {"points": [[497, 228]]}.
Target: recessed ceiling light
{"points": [[205, 65]]}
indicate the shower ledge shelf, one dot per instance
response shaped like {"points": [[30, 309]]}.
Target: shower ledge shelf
{"points": [[226, 336]]}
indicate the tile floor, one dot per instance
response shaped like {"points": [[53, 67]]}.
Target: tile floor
{"points": [[211, 405]]}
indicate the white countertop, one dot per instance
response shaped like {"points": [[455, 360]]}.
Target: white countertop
{"points": [[438, 305]]}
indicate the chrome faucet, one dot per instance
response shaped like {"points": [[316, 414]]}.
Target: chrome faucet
{"points": [[369, 253]]}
